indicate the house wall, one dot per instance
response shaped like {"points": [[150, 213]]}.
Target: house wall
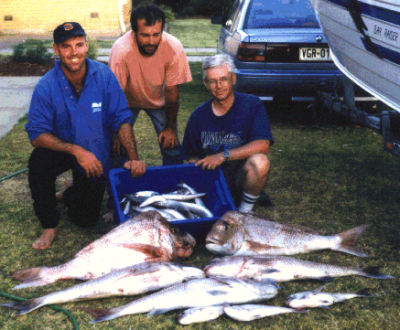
{"points": [[42, 16]]}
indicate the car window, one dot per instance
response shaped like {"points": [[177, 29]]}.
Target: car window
{"points": [[280, 14]]}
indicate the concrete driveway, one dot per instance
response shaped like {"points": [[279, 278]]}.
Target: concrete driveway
{"points": [[15, 97]]}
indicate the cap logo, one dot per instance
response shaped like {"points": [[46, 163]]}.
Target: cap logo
{"points": [[68, 27]]}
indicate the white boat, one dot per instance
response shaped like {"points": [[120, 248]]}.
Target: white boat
{"points": [[364, 37]]}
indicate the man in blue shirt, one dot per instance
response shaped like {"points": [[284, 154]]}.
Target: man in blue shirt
{"points": [[75, 110], [232, 131]]}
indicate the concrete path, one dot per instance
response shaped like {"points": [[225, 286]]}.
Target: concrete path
{"points": [[15, 97]]}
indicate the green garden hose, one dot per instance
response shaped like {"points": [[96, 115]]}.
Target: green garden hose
{"points": [[6, 295], [70, 316], [13, 174]]}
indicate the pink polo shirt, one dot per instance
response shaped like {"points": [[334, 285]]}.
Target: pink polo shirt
{"points": [[143, 78]]}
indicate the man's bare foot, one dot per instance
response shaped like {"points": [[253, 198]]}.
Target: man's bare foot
{"points": [[45, 240], [67, 183]]}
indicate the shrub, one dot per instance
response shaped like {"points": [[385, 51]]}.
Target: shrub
{"points": [[93, 49], [169, 14], [31, 51], [187, 12]]}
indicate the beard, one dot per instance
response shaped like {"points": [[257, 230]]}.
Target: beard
{"points": [[147, 50]]}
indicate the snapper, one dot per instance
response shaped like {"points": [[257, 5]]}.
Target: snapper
{"points": [[242, 234], [148, 237]]}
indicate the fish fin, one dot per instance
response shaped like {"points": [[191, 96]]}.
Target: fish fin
{"points": [[373, 272], [319, 289], [24, 307], [301, 310], [148, 249], [158, 311], [99, 314], [255, 246], [348, 241], [366, 292], [27, 274]]}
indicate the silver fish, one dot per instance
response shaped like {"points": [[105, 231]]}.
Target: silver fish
{"points": [[175, 197], [282, 269], [133, 280], [127, 207], [147, 237], [168, 214], [191, 191], [250, 312], [316, 298], [200, 314], [185, 206], [244, 234], [146, 193], [194, 293]]}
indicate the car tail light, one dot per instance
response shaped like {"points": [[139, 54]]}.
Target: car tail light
{"points": [[272, 52], [251, 52]]}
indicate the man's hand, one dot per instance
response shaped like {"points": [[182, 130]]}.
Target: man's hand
{"points": [[136, 167], [168, 139], [88, 161], [211, 162]]}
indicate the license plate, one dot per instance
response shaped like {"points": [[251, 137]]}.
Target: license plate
{"points": [[314, 54]]}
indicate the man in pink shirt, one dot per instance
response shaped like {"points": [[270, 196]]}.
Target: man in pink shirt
{"points": [[150, 64]]}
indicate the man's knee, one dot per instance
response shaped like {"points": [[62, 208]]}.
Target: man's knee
{"points": [[258, 165], [43, 160]]}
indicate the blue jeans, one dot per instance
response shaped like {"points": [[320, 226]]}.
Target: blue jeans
{"points": [[159, 119]]}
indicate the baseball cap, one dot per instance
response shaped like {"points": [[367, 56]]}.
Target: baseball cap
{"points": [[67, 30]]}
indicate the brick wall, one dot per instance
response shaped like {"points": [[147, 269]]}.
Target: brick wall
{"points": [[42, 16]]}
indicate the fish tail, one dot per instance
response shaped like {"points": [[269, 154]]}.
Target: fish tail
{"points": [[28, 274], [348, 241], [373, 272], [34, 277], [366, 292], [24, 307], [101, 314]]}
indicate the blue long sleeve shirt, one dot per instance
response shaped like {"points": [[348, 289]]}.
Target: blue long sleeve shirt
{"points": [[88, 120]]}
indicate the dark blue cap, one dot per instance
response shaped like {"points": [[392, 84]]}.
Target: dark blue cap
{"points": [[67, 30]]}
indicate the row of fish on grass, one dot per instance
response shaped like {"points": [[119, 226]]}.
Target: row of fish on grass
{"points": [[184, 287], [135, 258], [183, 203]]}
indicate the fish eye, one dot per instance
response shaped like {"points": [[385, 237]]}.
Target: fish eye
{"points": [[225, 225]]}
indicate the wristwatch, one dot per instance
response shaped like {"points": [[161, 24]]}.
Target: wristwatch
{"points": [[226, 155]]}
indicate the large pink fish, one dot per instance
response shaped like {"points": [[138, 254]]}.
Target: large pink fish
{"points": [[145, 238], [245, 234]]}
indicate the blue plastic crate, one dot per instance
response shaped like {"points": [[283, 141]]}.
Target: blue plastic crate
{"points": [[164, 179]]}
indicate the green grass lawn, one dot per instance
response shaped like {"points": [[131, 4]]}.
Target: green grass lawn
{"points": [[194, 32], [329, 177]]}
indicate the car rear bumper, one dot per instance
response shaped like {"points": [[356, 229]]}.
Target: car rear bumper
{"points": [[292, 83]]}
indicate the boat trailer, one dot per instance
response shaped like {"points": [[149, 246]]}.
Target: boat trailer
{"points": [[386, 121]]}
